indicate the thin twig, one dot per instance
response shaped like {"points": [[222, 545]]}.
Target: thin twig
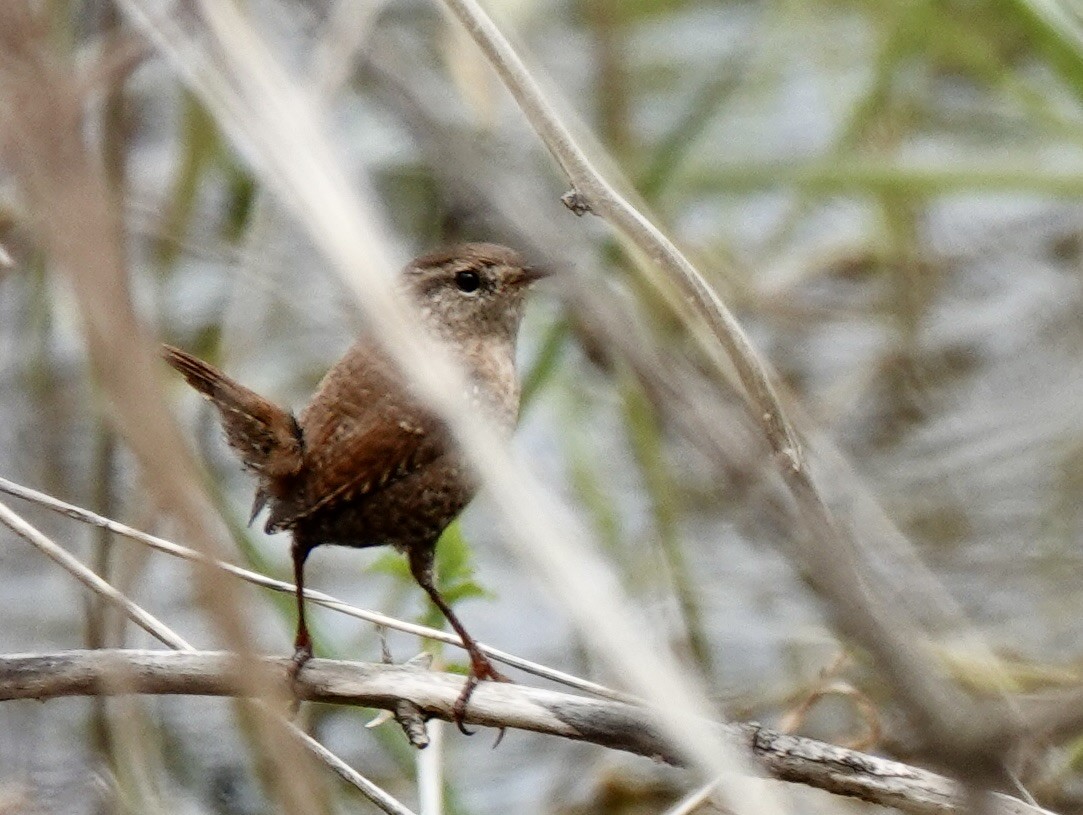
{"points": [[77, 513], [348, 774], [144, 619], [166, 635], [692, 801], [593, 193]]}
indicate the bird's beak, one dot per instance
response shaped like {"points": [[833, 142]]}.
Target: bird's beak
{"points": [[531, 274]]}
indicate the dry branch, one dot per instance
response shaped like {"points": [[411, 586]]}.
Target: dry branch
{"points": [[610, 724], [80, 225]]}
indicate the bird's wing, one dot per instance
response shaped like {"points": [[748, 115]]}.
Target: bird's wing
{"points": [[362, 432]]}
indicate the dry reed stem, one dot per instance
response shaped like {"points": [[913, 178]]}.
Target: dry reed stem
{"points": [[144, 619], [79, 224]]}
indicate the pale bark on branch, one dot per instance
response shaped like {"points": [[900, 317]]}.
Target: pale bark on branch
{"points": [[611, 724]]}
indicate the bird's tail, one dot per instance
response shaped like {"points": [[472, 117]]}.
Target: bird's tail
{"points": [[266, 437]]}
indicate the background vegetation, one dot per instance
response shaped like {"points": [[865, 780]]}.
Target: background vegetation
{"points": [[884, 191]]}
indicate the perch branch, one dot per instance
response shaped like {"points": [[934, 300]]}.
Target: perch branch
{"points": [[607, 723]]}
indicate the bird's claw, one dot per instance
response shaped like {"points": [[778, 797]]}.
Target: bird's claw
{"points": [[458, 710], [301, 655], [480, 668]]}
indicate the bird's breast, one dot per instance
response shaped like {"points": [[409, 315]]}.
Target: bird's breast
{"points": [[494, 383]]}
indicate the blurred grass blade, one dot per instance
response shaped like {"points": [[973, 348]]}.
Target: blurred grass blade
{"points": [[1057, 29]]}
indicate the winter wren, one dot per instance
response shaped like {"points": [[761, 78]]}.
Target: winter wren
{"points": [[365, 463]]}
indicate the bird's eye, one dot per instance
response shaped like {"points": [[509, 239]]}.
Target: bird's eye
{"points": [[467, 281]]}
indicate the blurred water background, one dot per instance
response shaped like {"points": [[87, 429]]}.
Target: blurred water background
{"points": [[886, 192]]}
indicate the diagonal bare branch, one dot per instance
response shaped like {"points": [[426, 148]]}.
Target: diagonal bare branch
{"points": [[144, 619], [109, 669]]}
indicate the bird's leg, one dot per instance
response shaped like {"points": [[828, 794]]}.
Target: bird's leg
{"points": [[421, 567], [302, 643]]}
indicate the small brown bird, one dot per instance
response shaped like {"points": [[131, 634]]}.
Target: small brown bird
{"points": [[366, 463]]}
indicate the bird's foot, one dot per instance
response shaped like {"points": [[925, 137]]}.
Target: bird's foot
{"points": [[484, 669], [302, 653], [480, 668]]}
